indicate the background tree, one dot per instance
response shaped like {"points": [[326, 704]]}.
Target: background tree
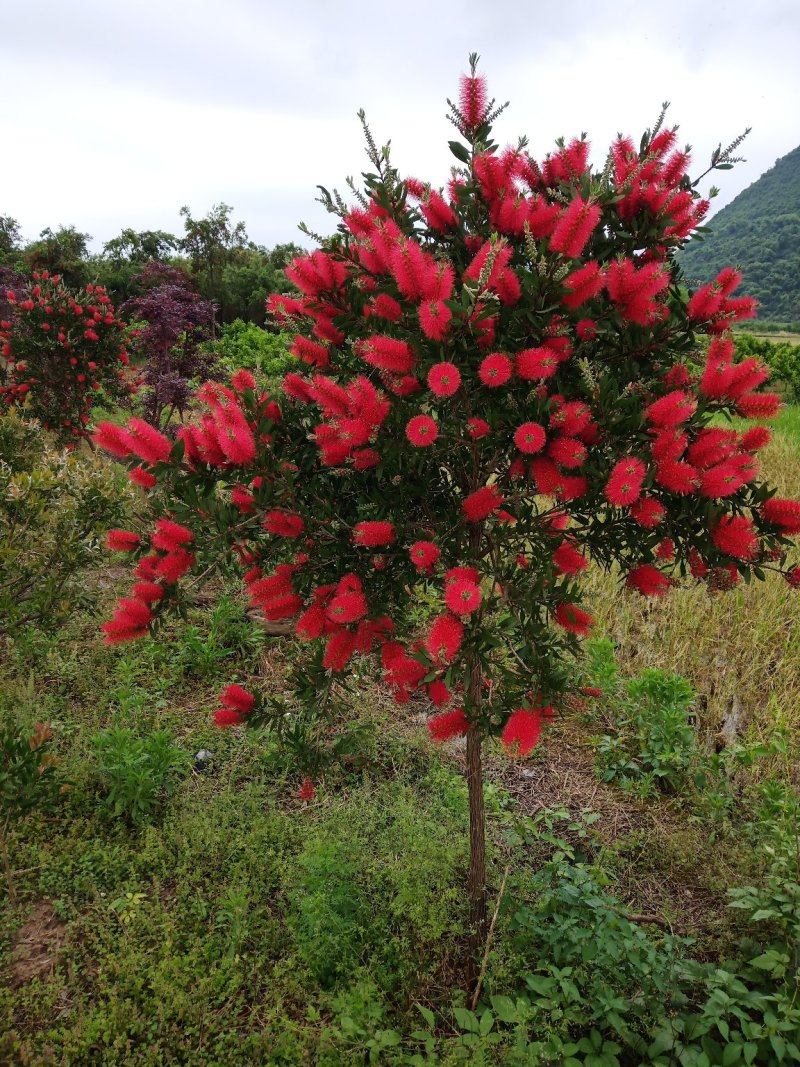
{"points": [[120, 266], [10, 240], [64, 251], [497, 389], [176, 321]]}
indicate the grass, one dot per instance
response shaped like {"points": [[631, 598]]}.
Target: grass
{"points": [[240, 925]]}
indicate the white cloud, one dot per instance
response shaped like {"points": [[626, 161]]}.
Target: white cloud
{"points": [[123, 113]]}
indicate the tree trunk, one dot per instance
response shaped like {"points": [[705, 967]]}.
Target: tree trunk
{"points": [[476, 882]]}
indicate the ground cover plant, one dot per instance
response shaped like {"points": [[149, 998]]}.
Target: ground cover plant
{"points": [[294, 893]]}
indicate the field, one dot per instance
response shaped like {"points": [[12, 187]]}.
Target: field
{"points": [[179, 908]]}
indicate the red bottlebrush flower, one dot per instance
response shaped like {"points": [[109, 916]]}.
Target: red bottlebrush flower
{"points": [[228, 717], [365, 459], [697, 565], [546, 475], [571, 418], [705, 303], [783, 512], [532, 364], [444, 639], [170, 535], [242, 380], [677, 476], [755, 438], [792, 576], [434, 319], [721, 480], [122, 541], [447, 725], [495, 370], [465, 574], [347, 607], [586, 329], [148, 592], [238, 699], [147, 443], [574, 228], [582, 284], [530, 437], [131, 619], [522, 731], [444, 379], [736, 536], [387, 353], [649, 581], [568, 559], [174, 565], [373, 533], [758, 405], [666, 549], [438, 693], [477, 428], [480, 504], [462, 597], [424, 555], [567, 452], [142, 477], [284, 523], [338, 650], [671, 410], [472, 101], [385, 307], [624, 486], [113, 439], [573, 619], [422, 431], [311, 624], [307, 791]]}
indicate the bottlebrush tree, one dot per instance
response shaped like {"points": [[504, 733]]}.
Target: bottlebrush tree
{"points": [[494, 387], [59, 346]]}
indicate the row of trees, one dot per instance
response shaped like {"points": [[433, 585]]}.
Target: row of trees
{"points": [[214, 252]]}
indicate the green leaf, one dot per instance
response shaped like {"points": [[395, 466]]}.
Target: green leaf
{"points": [[467, 1020], [427, 1015], [505, 1009], [459, 151]]}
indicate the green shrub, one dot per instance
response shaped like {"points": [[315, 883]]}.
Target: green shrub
{"points": [[782, 357], [649, 742], [136, 773], [245, 345], [55, 507]]}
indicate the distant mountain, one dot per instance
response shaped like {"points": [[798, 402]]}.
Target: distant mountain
{"points": [[759, 232]]}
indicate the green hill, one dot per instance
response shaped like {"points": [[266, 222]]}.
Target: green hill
{"points": [[759, 232]]}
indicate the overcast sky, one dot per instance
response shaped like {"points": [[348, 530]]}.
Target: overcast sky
{"points": [[116, 113]]}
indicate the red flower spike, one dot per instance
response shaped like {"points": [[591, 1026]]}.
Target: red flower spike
{"points": [[424, 555], [647, 580], [530, 437], [373, 534], [444, 639], [422, 431], [447, 725], [480, 504], [573, 619], [736, 536], [522, 731], [444, 379], [462, 597]]}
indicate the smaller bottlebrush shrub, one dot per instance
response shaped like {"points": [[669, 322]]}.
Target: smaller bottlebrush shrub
{"points": [[136, 773], [58, 347], [55, 509]]}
